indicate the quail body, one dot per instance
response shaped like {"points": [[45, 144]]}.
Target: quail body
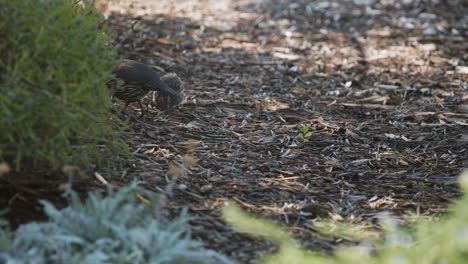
{"points": [[137, 80]]}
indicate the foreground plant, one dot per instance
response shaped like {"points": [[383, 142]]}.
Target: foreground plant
{"points": [[54, 104], [115, 229], [432, 241]]}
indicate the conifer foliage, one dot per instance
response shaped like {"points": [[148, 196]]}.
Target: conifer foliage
{"points": [[54, 62]]}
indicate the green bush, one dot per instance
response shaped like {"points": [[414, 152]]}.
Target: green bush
{"points": [[428, 241], [114, 229], [54, 104]]}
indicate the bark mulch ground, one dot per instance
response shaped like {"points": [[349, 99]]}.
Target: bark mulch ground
{"points": [[382, 86]]}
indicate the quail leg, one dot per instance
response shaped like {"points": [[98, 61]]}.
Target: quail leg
{"points": [[142, 109], [125, 108]]}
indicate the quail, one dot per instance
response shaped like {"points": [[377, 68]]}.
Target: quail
{"points": [[173, 81], [137, 80]]}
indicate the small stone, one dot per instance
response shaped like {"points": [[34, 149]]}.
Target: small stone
{"points": [[206, 188], [4, 168], [461, 70], [182, 186]]}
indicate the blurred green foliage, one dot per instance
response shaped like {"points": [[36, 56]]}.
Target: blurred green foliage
{"points": [[54, 104], [442, 240]]}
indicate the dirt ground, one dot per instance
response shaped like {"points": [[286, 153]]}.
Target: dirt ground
{"points": [[382, 86]]}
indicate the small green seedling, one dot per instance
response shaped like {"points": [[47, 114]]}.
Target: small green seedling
{"points": [[202, 28], [311, 38], [304, 133]]}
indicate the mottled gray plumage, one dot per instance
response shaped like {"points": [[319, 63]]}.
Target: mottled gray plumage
{"points": [[173, 81]]}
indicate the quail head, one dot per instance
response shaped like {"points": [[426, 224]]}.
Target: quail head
{"points": [[173, 81], [137, 79]]}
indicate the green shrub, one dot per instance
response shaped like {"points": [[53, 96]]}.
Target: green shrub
{"points": [[114, 229], [54, 104], [429, 241]]}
